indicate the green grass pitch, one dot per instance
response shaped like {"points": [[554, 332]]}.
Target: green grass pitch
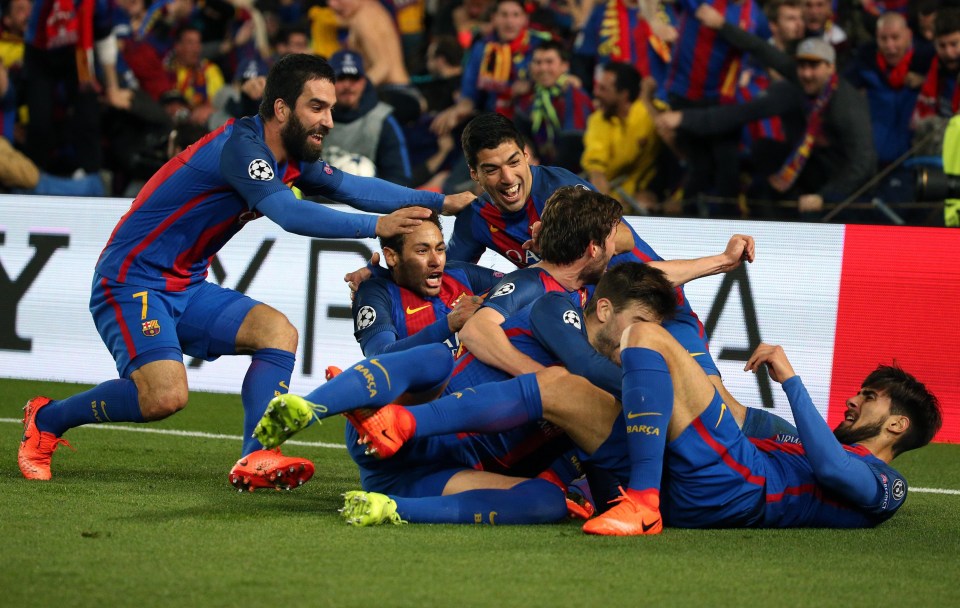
{"points": [[146, 519]]}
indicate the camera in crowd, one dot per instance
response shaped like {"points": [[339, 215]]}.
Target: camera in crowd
{"points": [[935, 184]]}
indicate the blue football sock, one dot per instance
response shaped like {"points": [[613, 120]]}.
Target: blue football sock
{"points": [[111, 401], [647, 406], [379, 380], [487, 408], [267, 377], [535, 501]]}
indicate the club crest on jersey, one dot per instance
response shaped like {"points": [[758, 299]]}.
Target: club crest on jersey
{"points": [[570, 317], [365, 317], [504, 290], [150, 328], [260, 169]]}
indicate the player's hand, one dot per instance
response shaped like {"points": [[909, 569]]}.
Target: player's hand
{"points": [[455, 203], [740, 248], [778, 366], [533, 243], [710, 17], [401, 221], [462, 311], [353, 279]]}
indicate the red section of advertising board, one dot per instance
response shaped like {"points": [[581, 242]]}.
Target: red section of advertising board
{"points": [[900, 301]]}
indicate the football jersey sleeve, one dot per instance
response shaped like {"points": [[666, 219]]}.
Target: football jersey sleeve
{"points": [[463, 246], [249, 167], [375, 328], [516, 290], [559, 326], [364, 193], [836, 469]]}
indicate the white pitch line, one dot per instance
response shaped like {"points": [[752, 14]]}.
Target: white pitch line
{"points": [[312, 444], [202, 435]]}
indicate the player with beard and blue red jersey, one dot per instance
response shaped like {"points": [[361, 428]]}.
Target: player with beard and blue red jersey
{"points": [[150, 299], [423, 299]]}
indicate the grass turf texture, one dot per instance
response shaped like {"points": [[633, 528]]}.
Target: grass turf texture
{"points": [[134, 519]]}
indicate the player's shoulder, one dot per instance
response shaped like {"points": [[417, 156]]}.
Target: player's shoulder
{"points": [[552, 178]]}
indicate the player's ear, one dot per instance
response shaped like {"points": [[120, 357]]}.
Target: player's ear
{"points": [[604, 310], [391, 257], [897, 424], [280, 109]]}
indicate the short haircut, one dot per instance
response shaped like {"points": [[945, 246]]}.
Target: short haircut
{"points": [[519, 3], [573, 218], [396, 242], [772, 8], [946, 22], [631, 282], [447, 48], [554, 45], [626, 78], [910, 398], [486, 132], [288, 76], [183, 29], [289, 29]]}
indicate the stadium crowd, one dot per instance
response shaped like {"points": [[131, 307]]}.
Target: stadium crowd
{"points": [[723, 108]]}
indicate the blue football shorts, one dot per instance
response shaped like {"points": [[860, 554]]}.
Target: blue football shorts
{"points": [[140, 325]]}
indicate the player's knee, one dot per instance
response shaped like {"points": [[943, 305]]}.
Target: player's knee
{"points": [[285, 335], [643, 335], [159, 404]]}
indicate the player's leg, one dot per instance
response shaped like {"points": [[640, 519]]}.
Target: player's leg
{"points": [[373, 382], [585, 412], [468, 497], [138, 328], [664, 389]]}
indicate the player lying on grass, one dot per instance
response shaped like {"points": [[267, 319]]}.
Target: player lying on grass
{"points": [[717, 476]]}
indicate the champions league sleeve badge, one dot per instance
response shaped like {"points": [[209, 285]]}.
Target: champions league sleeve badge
{"points": [[260, 170]]}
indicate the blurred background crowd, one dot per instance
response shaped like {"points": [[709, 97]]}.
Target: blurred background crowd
{"points": [[762, 109]]}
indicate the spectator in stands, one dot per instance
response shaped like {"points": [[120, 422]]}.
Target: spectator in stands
{"points": [[59, 74], [20, 175], [819, 21], [832, 151], [372, 33], [616, 30], [409, 18], [497, 71], [621, 143], [890, 73], [365, 126], [445, 66], [197, 79], [556, 105], [242, 97], [12, 27], [293, 38], [467, 21], [703, 72], [939, 98]]}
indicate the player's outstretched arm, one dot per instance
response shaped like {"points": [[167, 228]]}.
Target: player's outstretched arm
{"points": [[455, 203], [833, 467], [741, 248]]}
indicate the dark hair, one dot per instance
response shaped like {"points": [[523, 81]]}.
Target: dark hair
{"points": [[183, 29], [447, 48], [396, 242], [289, 29], [522, 4], [554, 45], [626, 78], [486, 132], [631, 282], [288, 76], [946, 22], [772, 8], [910, 398], [573, 218]]}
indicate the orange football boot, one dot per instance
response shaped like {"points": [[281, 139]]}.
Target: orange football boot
{"points": [[36, 446], [386, 430], [270, 469], [636, 514]]}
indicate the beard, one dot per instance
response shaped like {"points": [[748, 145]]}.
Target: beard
{"points": [[297, 143], [849, 435]]}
